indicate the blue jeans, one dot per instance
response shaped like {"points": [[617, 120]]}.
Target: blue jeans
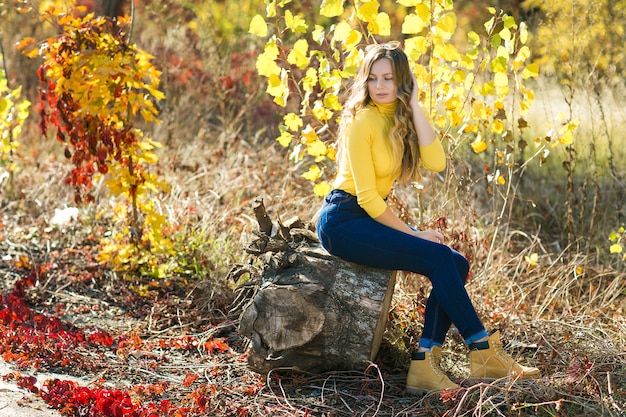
{"points": [[345, 230]]}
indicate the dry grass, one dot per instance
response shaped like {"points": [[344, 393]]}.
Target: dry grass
{"points": [[565, 315]]}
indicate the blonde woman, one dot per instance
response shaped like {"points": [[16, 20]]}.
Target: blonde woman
{"points": [[384, 136]]}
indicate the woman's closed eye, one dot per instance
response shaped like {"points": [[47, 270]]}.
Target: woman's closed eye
{"points": [[384, 79]]}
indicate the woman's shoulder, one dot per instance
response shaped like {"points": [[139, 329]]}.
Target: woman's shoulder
{"points": [[366, 114]]}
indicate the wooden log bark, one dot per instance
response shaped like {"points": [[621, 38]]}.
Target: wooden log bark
{"points": [[312, 311]]}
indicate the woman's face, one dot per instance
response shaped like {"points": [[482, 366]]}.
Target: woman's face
{"points": [[380, 85]]}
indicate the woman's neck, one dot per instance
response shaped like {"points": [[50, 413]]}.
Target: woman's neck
{"points": [[386, 108]]}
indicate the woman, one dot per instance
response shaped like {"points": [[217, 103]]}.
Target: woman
{"points": [[383, 137]]}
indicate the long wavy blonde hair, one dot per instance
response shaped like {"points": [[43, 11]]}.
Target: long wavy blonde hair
{"points": [[403, 137]]}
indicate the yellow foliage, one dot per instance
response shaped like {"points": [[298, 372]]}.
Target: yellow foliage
{"points": [[479, 145], [295, 23], [331, 8], [13, 113], [298, 55], [293, 121], [322, 188], [313, 174], [285, 138], [463, 87]]}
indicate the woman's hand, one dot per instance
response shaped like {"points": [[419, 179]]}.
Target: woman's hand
{"points": [[432, 235]]}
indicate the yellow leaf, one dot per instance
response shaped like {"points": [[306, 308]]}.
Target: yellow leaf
{"points": [[479, 145], [473, 38], [453, 102], [368, 11], [25, 44], [497, 126], [501, 80], [567, 138], [532, 260], [415, 47], [531, 71], [505, 34], [331, 8], [293, 121], [258, 27], [353, 39], [149, 157], [446, 26], [448, 52], [509, 22], [331, 153], [423, 11], [409, 3], [499, 64], [285, 138], [266, 62], [295, 23], [298, 55], [331, 101], [317, 148], [322, 188], [310, 81], [278, 88], [313, 173], [413, 24], [479, 110], [383, 24], [309, 136], [352, 61], [342, 31], [320, 112], [318, 34], [270, 9]]}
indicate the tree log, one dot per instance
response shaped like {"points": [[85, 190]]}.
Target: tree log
{"points": [[312, 311]]}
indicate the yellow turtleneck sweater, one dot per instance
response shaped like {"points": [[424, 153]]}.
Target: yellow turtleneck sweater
{"points": [[366, 166]]}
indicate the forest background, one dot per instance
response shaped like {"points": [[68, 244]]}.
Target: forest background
{"points": [[134, 235]]}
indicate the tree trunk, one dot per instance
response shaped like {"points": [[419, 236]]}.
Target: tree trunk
{"points": [[312, 311]]}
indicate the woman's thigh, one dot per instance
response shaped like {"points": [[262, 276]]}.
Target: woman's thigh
{"points": [[365, 241]]}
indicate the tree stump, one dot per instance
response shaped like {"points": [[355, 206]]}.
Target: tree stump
{"points": [[311, 311]]}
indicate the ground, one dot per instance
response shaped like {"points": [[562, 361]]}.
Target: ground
{"points": [[78, 339]]}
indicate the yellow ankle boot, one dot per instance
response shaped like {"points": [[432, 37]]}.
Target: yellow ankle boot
{"points": [[488, 360], [426, 375]]}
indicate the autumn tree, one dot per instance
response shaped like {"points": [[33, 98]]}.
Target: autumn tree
{"points": [[94, 85], [581, 46]]}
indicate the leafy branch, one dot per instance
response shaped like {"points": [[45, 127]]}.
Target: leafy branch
{"points": [[93, 87]]}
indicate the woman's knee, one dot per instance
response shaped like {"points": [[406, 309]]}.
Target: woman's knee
{"points": [[462, 265]]}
